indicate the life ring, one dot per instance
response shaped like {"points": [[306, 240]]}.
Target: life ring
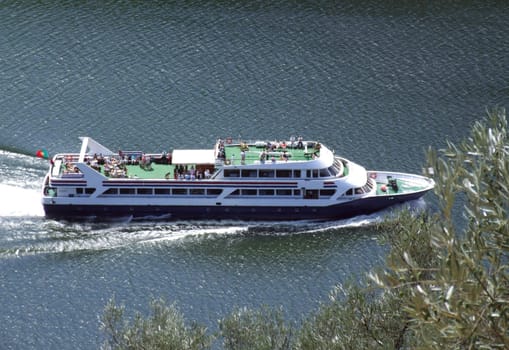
{"points": [[227, 162], [372, 175]]}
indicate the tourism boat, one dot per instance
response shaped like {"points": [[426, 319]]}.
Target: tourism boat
{"points": [[234, 179]]}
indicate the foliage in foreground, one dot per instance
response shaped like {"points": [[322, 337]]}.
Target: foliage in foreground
{"points": [[165, 328], [255, 329], [458, 297], [445, 283]]}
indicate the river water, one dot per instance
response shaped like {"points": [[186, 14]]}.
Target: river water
{"points": [[379, 82]]}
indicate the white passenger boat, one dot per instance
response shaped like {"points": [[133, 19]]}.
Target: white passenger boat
{"points": [[260, 180]]}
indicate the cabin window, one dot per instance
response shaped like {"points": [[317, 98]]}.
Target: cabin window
{"points": [[360, 190], [231, 173], [249, 192], [333, 171], [296, 173], [296, 193], [324, 173], [312, 173], [111, 191], [86, 191], [327, 193], [214, 191], [235, 193], [266, 173], [249, 173], [311, 194], [283, 173], [197, 191], [179, 191], [127, 191], [162, 191], [266, 192], [145, 191], [284, 192]]}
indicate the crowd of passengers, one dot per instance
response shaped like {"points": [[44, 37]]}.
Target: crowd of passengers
{"points": [[267, 148], [113, 166], [117, 166], [183, 172]]}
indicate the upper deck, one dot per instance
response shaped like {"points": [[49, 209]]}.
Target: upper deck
{"points": [[186, 164], [262, 152]]}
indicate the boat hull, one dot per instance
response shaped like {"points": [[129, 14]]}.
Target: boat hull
{"points": [[362, 206]]}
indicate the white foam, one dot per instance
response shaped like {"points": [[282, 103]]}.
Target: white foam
{"points": [[18, 201]]}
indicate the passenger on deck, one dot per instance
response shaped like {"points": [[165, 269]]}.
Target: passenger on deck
{"points": [[263, 157], [300, 144], [243, 157], [317, 149]]}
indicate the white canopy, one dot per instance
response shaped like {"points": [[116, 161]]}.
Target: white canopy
{"points": [[193, 156]]}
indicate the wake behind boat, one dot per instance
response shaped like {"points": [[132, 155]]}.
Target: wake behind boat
{"points": [[261, 180]]}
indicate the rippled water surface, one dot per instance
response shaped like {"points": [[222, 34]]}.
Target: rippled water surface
{"points": [[378, 82]]}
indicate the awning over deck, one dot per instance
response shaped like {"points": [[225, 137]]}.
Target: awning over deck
{"points": [[193, 156]]}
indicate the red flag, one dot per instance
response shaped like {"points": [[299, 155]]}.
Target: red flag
{"points": [[42, 153]]}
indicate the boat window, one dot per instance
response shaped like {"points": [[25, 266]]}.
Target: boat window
{"points": [[311, 194], [231, 173], [111, 191], [127, 191], [283, 173], [145, 191], [197, 191], [266, 173], [312, 173], [327, 193], [266, 192], [284, 192], [324, 172], [88, 190], [249, 192], [162, 191], [235, 193], [214, 191], [349, 192], [296, 173], [249, 173], [333, 171], [179, 191]]}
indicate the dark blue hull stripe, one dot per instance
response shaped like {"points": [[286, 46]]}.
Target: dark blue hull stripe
{"points": [[339, 211]]}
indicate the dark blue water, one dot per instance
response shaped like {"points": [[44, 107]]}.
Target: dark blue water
{"points": [[379, 82]]}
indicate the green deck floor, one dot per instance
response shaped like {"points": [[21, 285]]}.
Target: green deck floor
{"points": [[403, 187], [233, 157], [253, 153]]}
